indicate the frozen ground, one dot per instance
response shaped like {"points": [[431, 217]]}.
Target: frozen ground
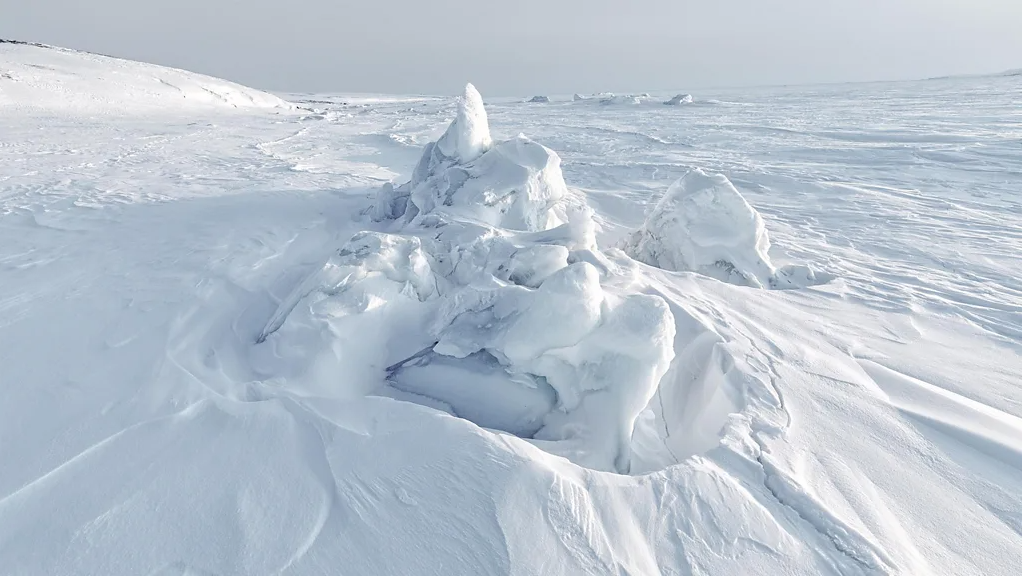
{"points": [[217, 356]]}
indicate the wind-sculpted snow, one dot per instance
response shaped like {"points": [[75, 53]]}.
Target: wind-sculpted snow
{"points": [[703, 224], [513, 296]]}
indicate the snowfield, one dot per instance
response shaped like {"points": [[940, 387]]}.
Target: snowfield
{"points": [[772, 331]]}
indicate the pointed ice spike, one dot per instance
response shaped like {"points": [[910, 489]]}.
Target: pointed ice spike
{"points": [[468, 136]]}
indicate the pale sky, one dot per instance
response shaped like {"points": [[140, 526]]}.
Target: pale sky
{"points": [[529, 47]]}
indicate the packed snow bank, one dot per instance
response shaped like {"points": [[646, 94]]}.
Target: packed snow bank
{"points": [[679, 100], [36, 77], [485, 298], [704, 225]]}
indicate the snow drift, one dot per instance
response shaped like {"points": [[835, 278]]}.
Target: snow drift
{"points": [[703, 224]]}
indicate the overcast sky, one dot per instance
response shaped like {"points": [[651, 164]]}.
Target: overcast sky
{"points": [[523, 47]]}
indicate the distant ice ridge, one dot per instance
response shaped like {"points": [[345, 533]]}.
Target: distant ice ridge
{"points": [[703, 224], [679, 99], [539, 100], [484, 296]]}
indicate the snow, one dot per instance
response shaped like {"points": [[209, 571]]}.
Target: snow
{"points": [[222, 354], [48, 78]]}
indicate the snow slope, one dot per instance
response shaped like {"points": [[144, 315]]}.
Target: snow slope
{"points": [[218, 353], [49, 78]]}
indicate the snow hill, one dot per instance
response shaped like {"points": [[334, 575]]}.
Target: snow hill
{"points": [[51, 78], [399, 336]]}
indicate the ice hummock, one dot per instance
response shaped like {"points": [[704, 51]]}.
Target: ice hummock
{"points": [[703, 224], [679, 100], [539, 100], [515, 184], [485, 299]]}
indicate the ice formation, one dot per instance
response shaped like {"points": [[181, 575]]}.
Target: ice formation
{"points": [[539, 99], [515, 184], [679, 99], [485, 299], [704, 225]]}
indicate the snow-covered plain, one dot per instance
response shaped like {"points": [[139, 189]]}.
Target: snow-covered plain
{"points": [[243, 337]]}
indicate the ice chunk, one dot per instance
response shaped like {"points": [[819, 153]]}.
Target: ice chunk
{"points": [[468, 137], [679, 99], [703, 224], [603, 354], [516, 184], [343, 318], [539, 99]]}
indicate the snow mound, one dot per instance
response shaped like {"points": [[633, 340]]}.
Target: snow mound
{"points": [[515, 184], [539, 100], [577, 97], [679, 99], [46, 78], [486, 298], [704, 225]]}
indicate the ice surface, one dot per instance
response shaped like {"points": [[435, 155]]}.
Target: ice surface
{"points": [[213, 361]]}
